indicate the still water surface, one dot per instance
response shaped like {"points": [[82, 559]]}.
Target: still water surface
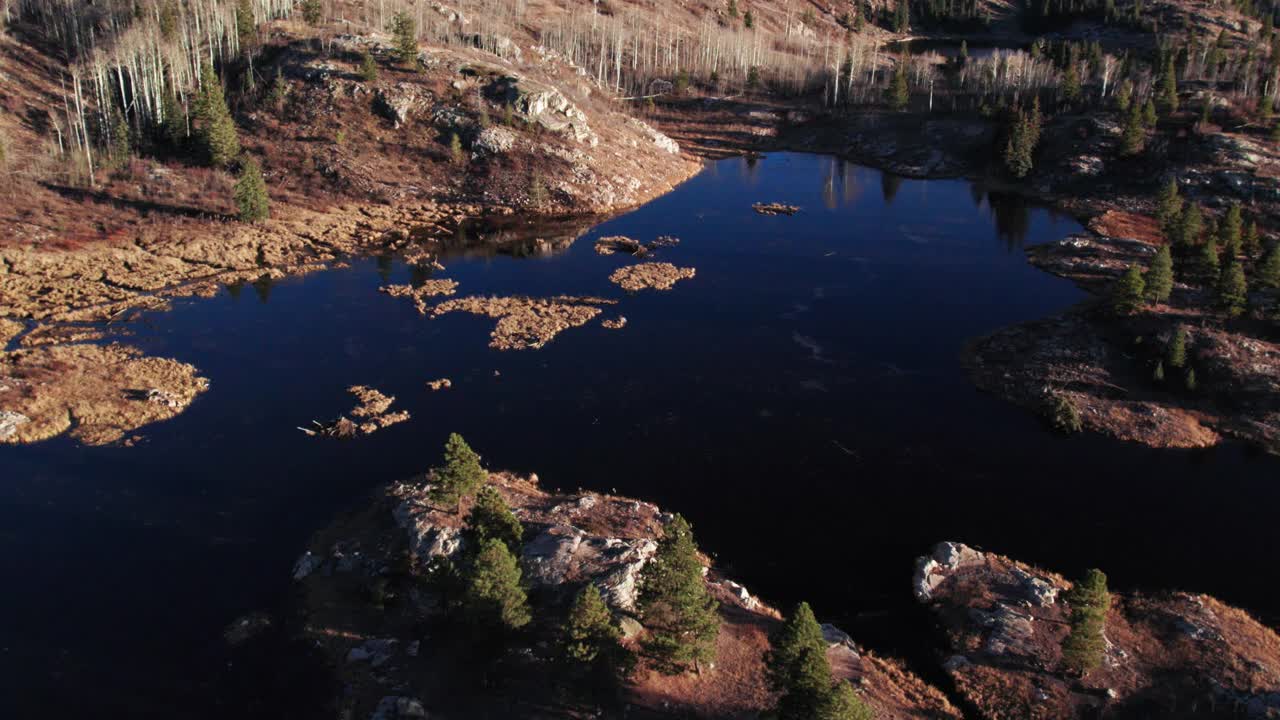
{"points": [[800, 400]]}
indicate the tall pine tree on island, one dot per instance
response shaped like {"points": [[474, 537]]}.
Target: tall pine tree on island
{"points": [[461, 474], [215, 130], [491, 519], [797, 669], [493, 598], [1085, 645], [681, 616]]}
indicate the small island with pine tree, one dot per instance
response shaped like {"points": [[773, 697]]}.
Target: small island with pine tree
{"points": [[470, 593]]}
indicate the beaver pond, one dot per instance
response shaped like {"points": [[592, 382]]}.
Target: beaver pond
{"points": [[800, 398]]}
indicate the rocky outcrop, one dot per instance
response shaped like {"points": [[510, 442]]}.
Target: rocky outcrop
{"points": [[539, 103], [1005, 622], [399, 102], [494, 140], [563, 555]]}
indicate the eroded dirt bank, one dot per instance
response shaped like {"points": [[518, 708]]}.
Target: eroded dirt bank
{"points": [[366, 606]]}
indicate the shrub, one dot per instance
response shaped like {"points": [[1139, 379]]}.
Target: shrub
{"points": [[312, 12], [455, 149], [368, 66], [1063, 415]]}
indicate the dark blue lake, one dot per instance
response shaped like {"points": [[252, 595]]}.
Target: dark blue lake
{"points": [[801, 400]]}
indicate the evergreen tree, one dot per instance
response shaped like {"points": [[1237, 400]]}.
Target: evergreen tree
{"points": [[460, 475], [899, 90], [1269, 269], [748, 20], [1252, 240], [1169, 87], [844, 704], [1149, 113], [368, 66], [120, 147], [455, 149], [246, 28], [1158, 375], [173, 125], [1177, 352], [1126, 298], [682, 618], [215, 129], [312, 12], [798, 633], [1071, 85], [1024, 135], [1124, 97], [1169, 203], [1231, 232], [491, 518], [1085, 645], [251, 192], [404, 30], [1159, 278], [1191, 380], [1233, 291], [493, 598], [1189, 227], [1063, 415], [1207, 264], [589, 633], [1134, 136]]}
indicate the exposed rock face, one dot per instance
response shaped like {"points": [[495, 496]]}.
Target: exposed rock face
{"points": [[543, 104], [933, 569], [663, 142], [1005, 624], [398, 102], [494, 140], [563, 554]]}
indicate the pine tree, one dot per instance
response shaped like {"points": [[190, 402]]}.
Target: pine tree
{"points": [[1124, 97], [1159, 278], [1177, 352], [368, 66], [788, 643], [251, 192], [120, 144], [1231, 232], [493, 597], [1134, 136], [589, 639], [1071, 85], [1191, 380], [748, 20], [1252, 240], [491, 518], [1085, 645], [460, 475], [215, 129], [404, 30], [682, 618], [1169, 204], [1233, 291], [455, 149], [1149, 117], [1189, 227], [173, 126], [1158, 375], [1269, 269], [844, 704], [312, 12], [1126, 298], [246, 28], [1169, 87], [1207, 263], [899, 90]]}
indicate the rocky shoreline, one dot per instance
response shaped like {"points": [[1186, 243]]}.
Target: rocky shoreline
{"points": [[365, 607]]}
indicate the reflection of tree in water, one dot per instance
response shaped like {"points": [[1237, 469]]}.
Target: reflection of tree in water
{"points": [[262, 286], [1012, 216], [234, 289], [419, 274], [385, 263], [889, 186]]}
